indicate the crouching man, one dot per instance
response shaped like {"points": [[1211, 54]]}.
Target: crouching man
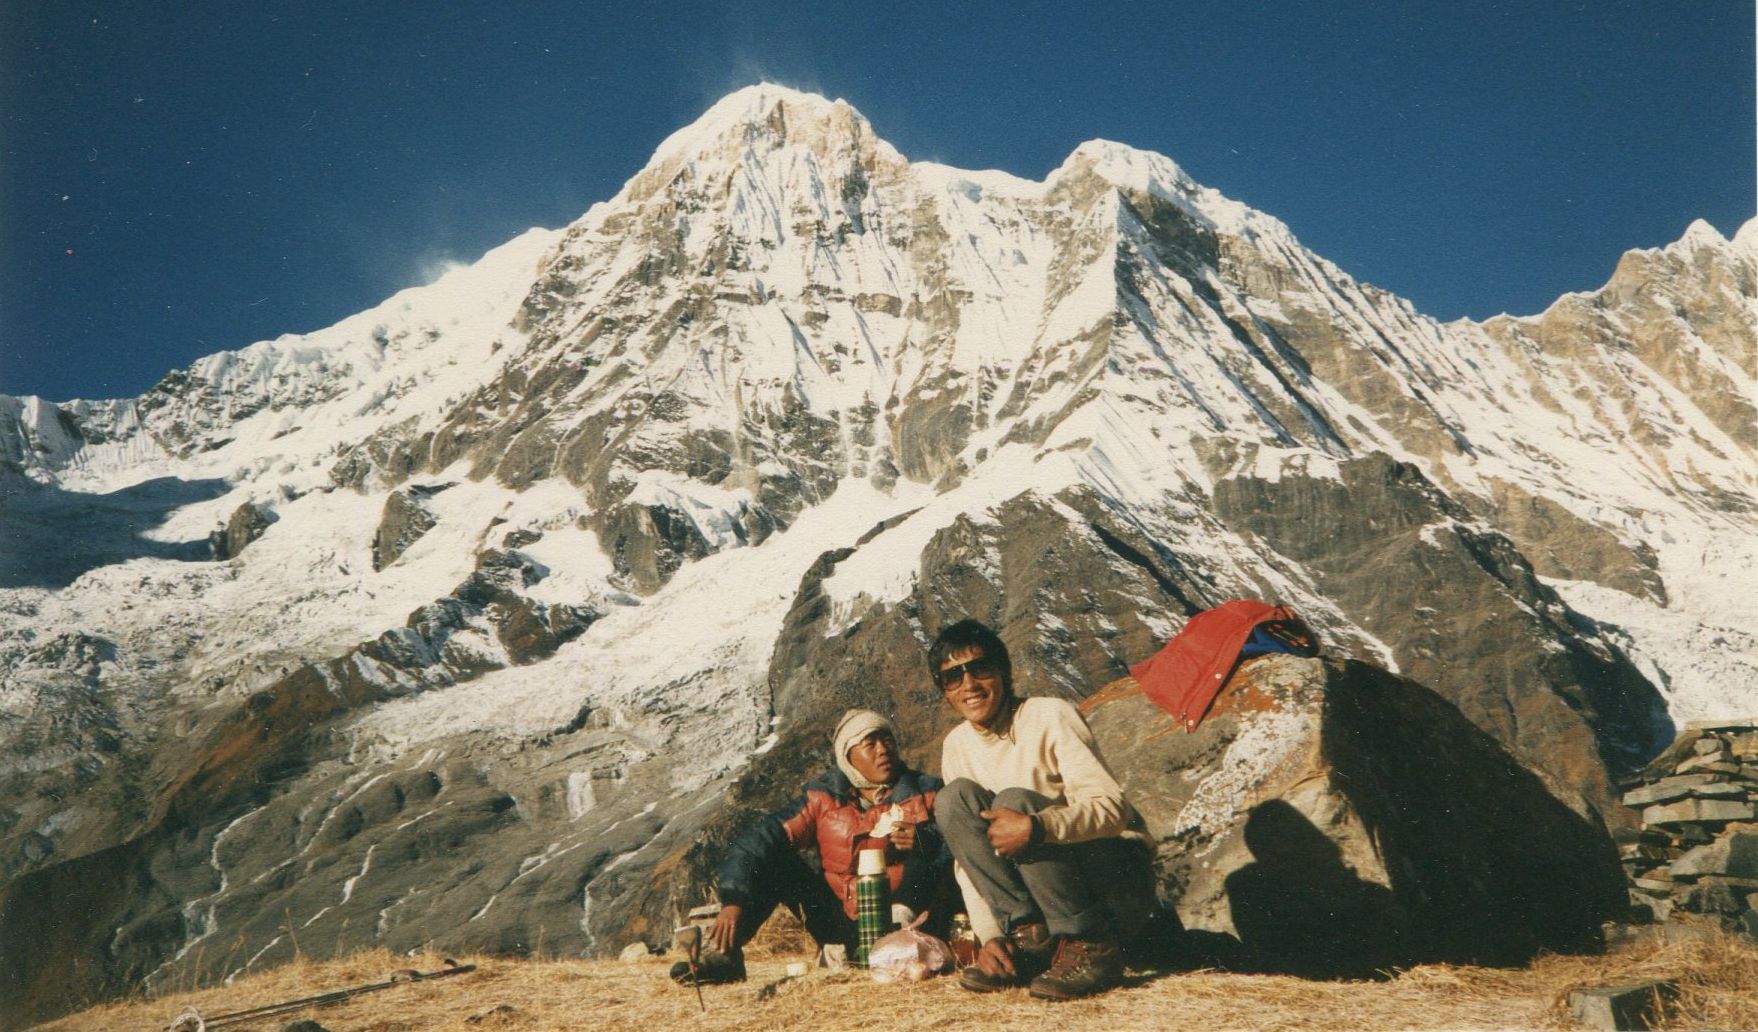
{"points": [[871, 800], [1052, 860]]}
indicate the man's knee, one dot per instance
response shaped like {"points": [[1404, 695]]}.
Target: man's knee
{"points": [[1020, 800], [960, 801]]}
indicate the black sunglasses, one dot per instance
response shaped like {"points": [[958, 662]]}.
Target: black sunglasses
{"points": [[981, 668]]}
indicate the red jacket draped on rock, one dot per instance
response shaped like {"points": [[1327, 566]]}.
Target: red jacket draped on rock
{"points": [[1184, 677]]}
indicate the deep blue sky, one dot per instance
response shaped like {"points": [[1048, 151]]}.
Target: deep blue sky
{"points": [[225, 172]]}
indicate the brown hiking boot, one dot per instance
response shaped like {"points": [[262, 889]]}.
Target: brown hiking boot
{"points": [[1082, 967], [1030, 947]]}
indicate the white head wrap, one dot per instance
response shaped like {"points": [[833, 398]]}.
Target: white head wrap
{"points": [[855, 725]]}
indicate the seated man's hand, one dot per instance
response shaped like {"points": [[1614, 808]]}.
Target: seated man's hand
{"points": [[996, 958], [1009, 830], [903, 837], [723, 933]]}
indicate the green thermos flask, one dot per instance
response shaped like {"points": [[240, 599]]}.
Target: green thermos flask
{"points": [[872, 901]]}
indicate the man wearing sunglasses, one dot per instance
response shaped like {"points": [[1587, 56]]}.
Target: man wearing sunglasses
{"points": [[872, 799], [1053, 862]]}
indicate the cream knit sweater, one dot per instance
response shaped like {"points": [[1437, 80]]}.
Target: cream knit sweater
{"points": [[1045, 746]]}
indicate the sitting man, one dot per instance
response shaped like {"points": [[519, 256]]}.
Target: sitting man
{"points": [[871, 796], [1053, 862]]}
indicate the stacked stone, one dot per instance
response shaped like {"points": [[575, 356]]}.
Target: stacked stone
{"points": [[1697, 853]]}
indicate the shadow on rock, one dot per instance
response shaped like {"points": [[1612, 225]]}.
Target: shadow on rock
{"points": [[1490, 867], [1299, 910]]}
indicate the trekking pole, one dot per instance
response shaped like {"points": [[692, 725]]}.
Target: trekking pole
{"points": [[191, 1019], [690, 938]]}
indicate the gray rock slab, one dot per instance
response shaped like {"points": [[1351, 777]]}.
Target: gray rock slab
{"points": [[1644, 851], [633, 952], [1636, 1005], [1747, 725], [1699, 810], [1667, 789], [1714, 763]]}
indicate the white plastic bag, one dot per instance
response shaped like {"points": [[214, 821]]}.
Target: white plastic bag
{"points": [[909, 955]]}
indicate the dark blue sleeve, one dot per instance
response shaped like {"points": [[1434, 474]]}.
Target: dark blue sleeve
{"points": [[928, 836], [759, 848], [933, 845]]}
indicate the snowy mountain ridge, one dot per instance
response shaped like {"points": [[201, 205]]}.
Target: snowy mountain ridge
{"points": [[556, 558]]}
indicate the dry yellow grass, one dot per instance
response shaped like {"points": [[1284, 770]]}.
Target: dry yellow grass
{"points": [[1717, 977]]}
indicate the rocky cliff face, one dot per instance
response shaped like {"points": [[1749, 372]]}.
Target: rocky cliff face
{"points": [[723, 454]]}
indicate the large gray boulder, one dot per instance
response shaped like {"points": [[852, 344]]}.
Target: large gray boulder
{"points": [[1340, 820]]}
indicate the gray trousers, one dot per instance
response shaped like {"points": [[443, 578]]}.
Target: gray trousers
{"points": [[1103, 889]]}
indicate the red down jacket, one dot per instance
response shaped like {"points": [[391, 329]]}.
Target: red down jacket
{"points": [[1184, 677], [825, 815]]}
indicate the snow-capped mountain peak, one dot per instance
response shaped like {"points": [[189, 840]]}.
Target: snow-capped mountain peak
{"points": [[744, 127], [546, 554], [1746, 239], [1701, 234], [1148, 173]]}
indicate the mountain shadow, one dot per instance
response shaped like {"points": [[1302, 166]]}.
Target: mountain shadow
{"points": [[50, 537]]}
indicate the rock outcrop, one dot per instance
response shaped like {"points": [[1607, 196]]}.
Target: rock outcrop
{"points": [[248, 522], [1338, 821], [406, 517], [1387, 545]]}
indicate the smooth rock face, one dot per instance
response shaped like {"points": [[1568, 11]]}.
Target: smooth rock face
{"points": [[1699, 810], [246, 525], [1668, 789], [406, 518], [1339, 820], [1734, 854]]}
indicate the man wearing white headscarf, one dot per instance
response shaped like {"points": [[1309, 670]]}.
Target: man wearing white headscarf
{"points": [[871, 800]]}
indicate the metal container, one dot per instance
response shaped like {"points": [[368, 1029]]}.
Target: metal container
{"points": [[872, 901]]}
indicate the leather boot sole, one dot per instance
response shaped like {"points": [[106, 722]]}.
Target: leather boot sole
{"points": [[973, 979]]}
